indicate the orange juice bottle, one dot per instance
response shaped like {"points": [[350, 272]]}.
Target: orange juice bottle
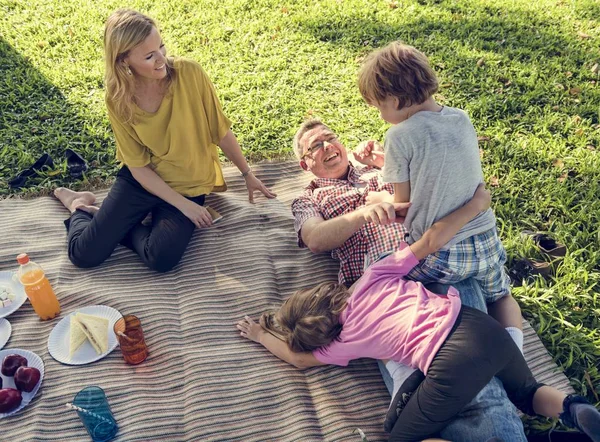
{"points": [[37, 288]]}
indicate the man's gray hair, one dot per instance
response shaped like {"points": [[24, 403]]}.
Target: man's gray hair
{"points": [[305, 127]]}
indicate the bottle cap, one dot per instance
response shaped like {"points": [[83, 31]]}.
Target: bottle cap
{"points": [[23, 258]]}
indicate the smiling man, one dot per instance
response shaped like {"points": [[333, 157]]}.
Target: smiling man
{"points": [[330, 217]]}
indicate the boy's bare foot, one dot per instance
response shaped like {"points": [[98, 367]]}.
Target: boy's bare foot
{"points": [[76, 200]]}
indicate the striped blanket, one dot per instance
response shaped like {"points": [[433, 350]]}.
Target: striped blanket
{"points": [[202, 381]]}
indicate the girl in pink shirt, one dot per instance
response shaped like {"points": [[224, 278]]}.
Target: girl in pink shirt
{"points": [[458, 348]]}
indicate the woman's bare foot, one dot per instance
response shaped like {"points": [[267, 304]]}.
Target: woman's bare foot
{"points": [[89, 209], [76, 200]]}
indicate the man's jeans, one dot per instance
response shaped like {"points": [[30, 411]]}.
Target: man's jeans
{"points": [[490, 414]]}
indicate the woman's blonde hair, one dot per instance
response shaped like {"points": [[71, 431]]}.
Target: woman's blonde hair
{"points": [[125, 29], [398, 70], [309, 319]]}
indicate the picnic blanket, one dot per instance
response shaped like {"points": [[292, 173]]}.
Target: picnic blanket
{"points": [[201, 381]]}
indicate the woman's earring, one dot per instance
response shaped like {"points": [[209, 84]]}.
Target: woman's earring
{"points": [[128, 70]]}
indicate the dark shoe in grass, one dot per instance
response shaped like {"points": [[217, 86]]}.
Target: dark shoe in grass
{"points": [[546, 244], [558, 436], [524, 268], [76, 165], [580, 414], [401, 399], [43, 163]]}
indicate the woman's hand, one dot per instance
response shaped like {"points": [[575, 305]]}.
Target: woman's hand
{"points": [[254, 184], [196, 213], [250, 329], [370, 153], [482, 198]]}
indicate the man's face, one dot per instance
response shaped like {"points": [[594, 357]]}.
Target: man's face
{"points": [[323, 154]]}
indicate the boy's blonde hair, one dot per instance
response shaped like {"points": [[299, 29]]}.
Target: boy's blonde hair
{"points": [[308, 319], [398, 70], [125, 29]]}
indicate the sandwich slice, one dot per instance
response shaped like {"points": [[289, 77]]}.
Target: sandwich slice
{"points": [[95, 329], [76, 336]]}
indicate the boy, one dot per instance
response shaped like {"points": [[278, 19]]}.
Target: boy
{"points": [[432, 158]]}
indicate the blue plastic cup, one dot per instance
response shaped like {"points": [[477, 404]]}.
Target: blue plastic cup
{"points": [[97, 419]]}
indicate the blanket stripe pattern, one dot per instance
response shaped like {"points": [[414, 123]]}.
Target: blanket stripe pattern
{"points": [[201, 381]]}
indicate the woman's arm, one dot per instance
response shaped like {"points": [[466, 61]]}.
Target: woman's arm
{"points": [[444, 230], [232, 150], [253, 331], [154, 184]]}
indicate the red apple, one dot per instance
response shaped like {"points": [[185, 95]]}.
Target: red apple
{"points": [[11, 363], [26, 378], [9, 399]]}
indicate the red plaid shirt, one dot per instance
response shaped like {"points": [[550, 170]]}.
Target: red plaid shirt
{"points": [[329, 198]]}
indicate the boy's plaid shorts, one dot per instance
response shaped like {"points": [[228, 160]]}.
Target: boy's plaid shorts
{"points": [[480, 256]]}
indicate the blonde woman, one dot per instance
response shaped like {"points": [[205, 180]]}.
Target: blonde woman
{"points": [[167, 122]]}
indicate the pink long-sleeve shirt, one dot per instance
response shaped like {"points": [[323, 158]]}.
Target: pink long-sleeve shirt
{"points": [[388, 317]]}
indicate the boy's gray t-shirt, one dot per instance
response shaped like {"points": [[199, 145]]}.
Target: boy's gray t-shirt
{"points": [[438, 153]]}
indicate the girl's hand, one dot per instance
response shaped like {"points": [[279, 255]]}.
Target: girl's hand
{"points": [[254, 184], [250, 329], [370, 153], [482, 198], [197, 214]]}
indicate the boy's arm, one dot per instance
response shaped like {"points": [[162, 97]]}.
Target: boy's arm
{"points": [[402, 192], [444, 230], [253, 331]]}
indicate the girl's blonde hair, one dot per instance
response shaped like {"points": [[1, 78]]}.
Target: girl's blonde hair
{"points": [[309, 319], [125, 29]]}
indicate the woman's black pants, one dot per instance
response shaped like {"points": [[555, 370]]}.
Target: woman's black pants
{"points": [[161, 244]]}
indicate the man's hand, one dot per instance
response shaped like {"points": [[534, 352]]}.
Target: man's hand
{"points": [[482, 198], [250, 329], [379, 197], [370, 153], [253, 184], [386, 213]]}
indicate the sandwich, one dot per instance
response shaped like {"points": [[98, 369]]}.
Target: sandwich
{"points": [[76, 336], [95, 329]]}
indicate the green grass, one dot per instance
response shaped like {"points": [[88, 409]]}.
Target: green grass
{"points": [[523, 70]]}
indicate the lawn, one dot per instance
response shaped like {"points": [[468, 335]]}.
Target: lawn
{"points": [[527, 72]]}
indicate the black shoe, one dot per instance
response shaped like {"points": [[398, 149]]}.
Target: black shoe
{"points": [[524, 268], [546, 244], [401, 399], [558, 436], [76, 165], [43, 163], [578, 413]]}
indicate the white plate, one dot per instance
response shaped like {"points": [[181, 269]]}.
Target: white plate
{"points": [[5, 331], [6, 280], [33, 360], [58, 342]]}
